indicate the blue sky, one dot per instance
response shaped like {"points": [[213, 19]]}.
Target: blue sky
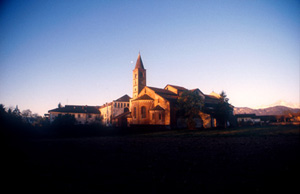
{"points": [[81, 52]]}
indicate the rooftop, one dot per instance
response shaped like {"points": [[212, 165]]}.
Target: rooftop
{"points": [[139, 63], [177, 87], [77, 109], [124, 98], [144, 97], [157, 107]]}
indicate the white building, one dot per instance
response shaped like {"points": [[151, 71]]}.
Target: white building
{"points": [[82, 114], [112, 109]]}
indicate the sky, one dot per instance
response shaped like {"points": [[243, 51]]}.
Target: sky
{"points": [[83, 52]]}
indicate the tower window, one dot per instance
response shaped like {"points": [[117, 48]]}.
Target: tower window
{"points": [[159, 116]]}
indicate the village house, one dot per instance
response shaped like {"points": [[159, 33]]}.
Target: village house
{"points": [[247, 119], [82, 114]]}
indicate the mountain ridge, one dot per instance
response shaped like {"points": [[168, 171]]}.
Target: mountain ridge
{"points": [[275, 110]]}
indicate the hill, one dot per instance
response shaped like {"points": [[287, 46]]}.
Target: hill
{"points": [[276, 110]]}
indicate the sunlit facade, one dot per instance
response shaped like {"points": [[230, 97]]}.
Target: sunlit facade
{"points": [[82, 114], [156, 106], [113, 109]]}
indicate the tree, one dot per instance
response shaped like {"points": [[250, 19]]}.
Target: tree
{"points": [[64, 121], [9, 111], [223, 110], [26, 113], [3, 113], [189, 107], [16, 111]]}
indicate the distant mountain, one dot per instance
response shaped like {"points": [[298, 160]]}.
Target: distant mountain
{"points": [[280, 103], [276, 110]]}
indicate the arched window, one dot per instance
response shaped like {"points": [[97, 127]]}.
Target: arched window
{"points": [[143, 112], [134, 112]]}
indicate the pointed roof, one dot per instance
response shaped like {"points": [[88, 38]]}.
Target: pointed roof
{"points": [[197, 89], [139, 63], [144, 97], [159, 108], [168, 95], [124, 98], [176, 87]]}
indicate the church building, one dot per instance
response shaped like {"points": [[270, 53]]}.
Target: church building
{"points": [[156, 106]]}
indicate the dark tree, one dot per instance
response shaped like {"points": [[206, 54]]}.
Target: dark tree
{"points": [[26, 113], [223, 110], [64, 121], [16, 112], [189, 106]]}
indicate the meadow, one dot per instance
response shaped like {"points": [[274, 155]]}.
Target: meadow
{"points": [[240, 160]]}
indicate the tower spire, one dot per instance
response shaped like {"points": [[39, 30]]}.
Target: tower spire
{"points": [[139, 62], [139, 77]]}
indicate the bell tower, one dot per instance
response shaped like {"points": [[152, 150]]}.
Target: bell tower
{"points": [[139, 77]]}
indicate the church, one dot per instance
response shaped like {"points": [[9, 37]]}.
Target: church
{"points": [[156, 106]]}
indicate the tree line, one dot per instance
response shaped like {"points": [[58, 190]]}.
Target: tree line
{"points": [[16, 124]]}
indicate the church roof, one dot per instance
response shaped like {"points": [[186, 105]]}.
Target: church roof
{"points": [[77, 109], [171, 96], [196, 89], [209, 99], [157, 107], [144, 97], [215, 94], [124, 98], [162, 91], [139, 63], [176, 87]]}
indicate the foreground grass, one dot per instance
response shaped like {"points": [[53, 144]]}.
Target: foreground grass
{"points": [[241, 160], [287, 130]]}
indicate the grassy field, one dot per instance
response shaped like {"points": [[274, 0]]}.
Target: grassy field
{"points": [[235, 132], [241, 160]]}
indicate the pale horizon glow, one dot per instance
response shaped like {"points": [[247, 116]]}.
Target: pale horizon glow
{"points": [[83, 52]]}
